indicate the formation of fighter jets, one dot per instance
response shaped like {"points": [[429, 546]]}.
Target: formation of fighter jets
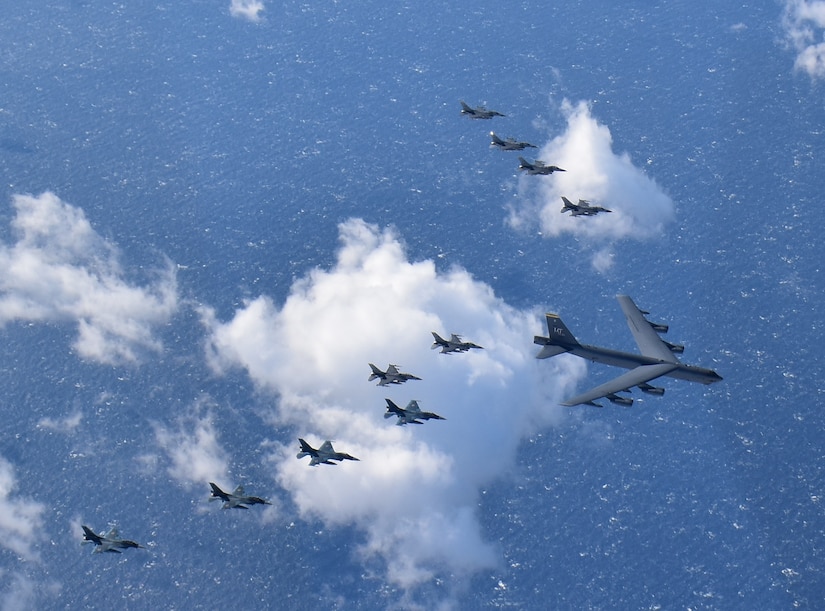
{"points": [[535, 168], [509, 144], [657, 358], [412, 414]]}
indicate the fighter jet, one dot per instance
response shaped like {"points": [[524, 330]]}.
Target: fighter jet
{"points": [[510, 144], [108, 542], [323, 455], [657, 358], [454, 344], [390, 376], [537, 168], [412, 414], [236, 499], [479, 112], [583, 208]]}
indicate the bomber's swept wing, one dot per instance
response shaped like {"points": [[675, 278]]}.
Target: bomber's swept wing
{"points": [[648, 340], [635, 377], [657, 358]]}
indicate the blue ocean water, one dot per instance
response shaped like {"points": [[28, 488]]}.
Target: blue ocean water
{"points": [[235, 149]]}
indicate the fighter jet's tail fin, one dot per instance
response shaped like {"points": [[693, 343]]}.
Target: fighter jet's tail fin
{"points": [[376, 373], [439, 341], [559, 339]]}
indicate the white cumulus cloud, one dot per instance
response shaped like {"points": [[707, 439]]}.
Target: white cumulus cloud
{"points": [[640, 209], [247, 9], [416, 489], [20, 519], [60, 269], [804, 23]]}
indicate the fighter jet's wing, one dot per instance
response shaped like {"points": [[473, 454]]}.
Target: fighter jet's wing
{"points": [[649, 342], [634, 377]]}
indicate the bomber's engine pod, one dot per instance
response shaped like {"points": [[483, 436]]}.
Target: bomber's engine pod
{"points": [[675, 348], [614, 398], [652, 390]]}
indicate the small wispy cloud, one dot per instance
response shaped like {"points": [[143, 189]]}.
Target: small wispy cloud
{"points": [[247, 9], [60, 269], [416, 489], [61, 425], [20, 519], [804, 25], [195, 454], [640, 209]]}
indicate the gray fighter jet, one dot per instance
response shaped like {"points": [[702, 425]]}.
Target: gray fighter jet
{"points": [[390, 376], [236, 499], [323, 455], [656, 360], [108, 542], [478, 112], [412, 414], [583, 208], [510, 144], [537, 168], [454, 344]]}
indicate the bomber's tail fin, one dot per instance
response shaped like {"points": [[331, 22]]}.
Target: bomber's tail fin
{"points": [[559, 338]]}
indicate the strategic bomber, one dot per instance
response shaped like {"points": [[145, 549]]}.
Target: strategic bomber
{"points": [[657, 358]]}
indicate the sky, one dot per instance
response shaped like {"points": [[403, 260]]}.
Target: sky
{"points": [[180, 308]]}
